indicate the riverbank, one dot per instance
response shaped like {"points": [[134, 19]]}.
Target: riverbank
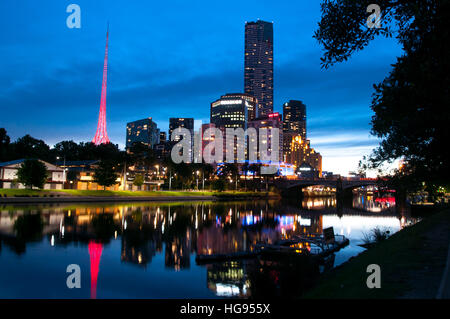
{"points": [[68, 195], [412, 264]]}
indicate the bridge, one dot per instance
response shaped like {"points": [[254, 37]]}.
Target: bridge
{"points": [[296, 186]]}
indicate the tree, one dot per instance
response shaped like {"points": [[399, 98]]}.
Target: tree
{"points": [[411, 112], [90, 151], [141, 156], [219, 185], [4, 144], [138, 180], [68, 150], [230, 170], [245, 169], [32, 173], [184, 173], [29, 147], [105, 174]]}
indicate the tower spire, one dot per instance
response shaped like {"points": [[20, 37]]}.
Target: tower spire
{"points": [[101, 136]]}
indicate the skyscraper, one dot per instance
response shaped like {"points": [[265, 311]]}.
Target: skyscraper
{"points": [[144, 131], [178, 122], [294, 117], [258, 65], [231, 111], [294, 122], [187, 123]]}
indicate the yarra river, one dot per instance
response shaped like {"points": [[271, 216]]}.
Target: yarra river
{"points": [[148, 250]]}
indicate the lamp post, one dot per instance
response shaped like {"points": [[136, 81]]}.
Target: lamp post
{"points": [[64, 167], [203, 180], [197, 179], [125, 173], [170, 180]]}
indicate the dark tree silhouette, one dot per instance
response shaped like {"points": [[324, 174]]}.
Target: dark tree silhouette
{"points": [[4, 144], [411, 105], [105, 174], [29, 147]]}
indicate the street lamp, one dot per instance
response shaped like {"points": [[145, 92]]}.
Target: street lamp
{"points": [[64, 167], [203, 180], [197, 179]]}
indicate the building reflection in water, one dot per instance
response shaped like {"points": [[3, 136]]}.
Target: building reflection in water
{"points": [[228, 279], [181, 230]]}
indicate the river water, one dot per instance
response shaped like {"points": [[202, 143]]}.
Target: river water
{"points": [[147, 250]]}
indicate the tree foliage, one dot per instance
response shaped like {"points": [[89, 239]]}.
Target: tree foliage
{"points": [[29, 147], [411, 105], [105, 174], [138, 180], [32, 173], [4, 144]]}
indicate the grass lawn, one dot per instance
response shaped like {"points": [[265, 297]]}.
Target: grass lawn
{"points": [[24, 192], [410, 260], [73, 192], [132, 193]]}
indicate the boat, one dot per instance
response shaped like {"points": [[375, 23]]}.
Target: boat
{"points": [[315, 246]]}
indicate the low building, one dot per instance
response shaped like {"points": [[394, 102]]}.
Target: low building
{"points": [[307, 171], [8, 175]]}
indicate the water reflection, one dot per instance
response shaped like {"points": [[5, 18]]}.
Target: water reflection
{"points": [[163, 239]]}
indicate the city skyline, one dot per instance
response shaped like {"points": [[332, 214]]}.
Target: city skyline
{"points": [[338, 122]]}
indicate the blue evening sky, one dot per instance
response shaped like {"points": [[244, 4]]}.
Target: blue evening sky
{"points": [[171, 59]]}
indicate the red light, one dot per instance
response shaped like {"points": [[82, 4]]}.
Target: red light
{"points": [[95, 253]]}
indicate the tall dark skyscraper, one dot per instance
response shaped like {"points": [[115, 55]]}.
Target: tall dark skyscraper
{"points": [[294, 123], [176, 122], [258, 66], [294, 117], [144, 131]]}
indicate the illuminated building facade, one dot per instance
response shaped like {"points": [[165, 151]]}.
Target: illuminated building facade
{"points": [[232, 110], [179, 122], [208, 138], [162, 136], [258, 64], [269, 122], [301, 153], [144, 131], [294, 122]]}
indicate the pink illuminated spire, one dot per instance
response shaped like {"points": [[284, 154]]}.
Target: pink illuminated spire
{"points": [[95, 253], [101, 136]]}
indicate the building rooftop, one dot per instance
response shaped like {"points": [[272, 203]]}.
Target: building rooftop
{"points": [[18, 161]]}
